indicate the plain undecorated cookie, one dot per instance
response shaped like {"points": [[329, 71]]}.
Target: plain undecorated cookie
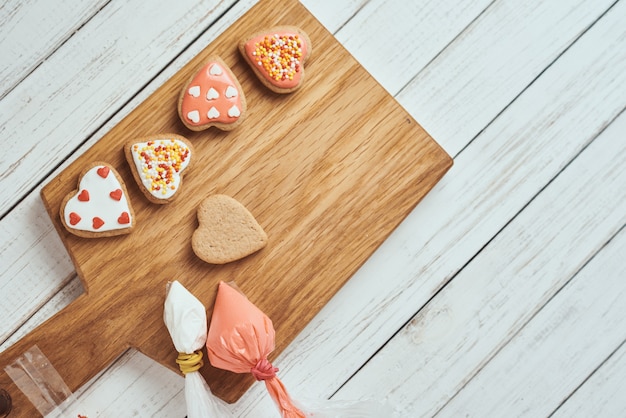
{"points": [[227, 231]]}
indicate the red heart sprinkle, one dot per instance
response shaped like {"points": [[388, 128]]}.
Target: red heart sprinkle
{"points": [[116, 194], [103, 172], [124, 218], [74, 218], [84, 196], [97, 223]]}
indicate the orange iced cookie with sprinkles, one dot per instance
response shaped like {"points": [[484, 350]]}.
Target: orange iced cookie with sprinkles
{"points": [[157, 164], [277, 57], [212, 97]]}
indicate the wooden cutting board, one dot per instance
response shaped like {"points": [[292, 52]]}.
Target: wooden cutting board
{"points": [[328, 171]]}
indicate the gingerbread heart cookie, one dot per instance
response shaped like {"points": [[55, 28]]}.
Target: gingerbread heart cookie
{"points": [[277, 57], [212, 97], [157, 163], [100, 206], [227, 231]]}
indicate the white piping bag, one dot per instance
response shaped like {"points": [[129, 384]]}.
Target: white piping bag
{"points": [[185, 318]]}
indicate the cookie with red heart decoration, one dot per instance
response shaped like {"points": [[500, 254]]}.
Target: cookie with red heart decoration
{"points": [[227, 231], [100, 207], [277, 56], [157, 163], [212, 97]]}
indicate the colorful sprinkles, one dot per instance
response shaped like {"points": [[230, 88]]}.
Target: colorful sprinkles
{"points": [[279, 55], [160, 161]]}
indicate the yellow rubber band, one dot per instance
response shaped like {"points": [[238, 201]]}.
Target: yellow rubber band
{"points": [[190, 362]]}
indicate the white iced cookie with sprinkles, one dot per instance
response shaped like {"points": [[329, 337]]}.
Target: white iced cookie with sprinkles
{"points": [[157, 164], [100, 206]]}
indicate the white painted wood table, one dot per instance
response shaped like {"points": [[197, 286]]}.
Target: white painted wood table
{"points": [[504, 291]]}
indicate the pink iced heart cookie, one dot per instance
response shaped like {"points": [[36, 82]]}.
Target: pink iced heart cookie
{"points": [[212, 97], [100, 206], [157, 163], [277, 56]]}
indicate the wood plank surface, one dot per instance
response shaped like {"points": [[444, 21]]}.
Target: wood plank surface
{"points": [[427, 26], [600, 394], [28, 242], [120, 389], [500, 53], [35, 36], [463, 94], [334, 14], [454, 335], [577, 327], [310, 187], [82, 88], [493, 179]]}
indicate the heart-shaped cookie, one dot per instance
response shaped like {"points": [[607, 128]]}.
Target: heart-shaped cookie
{"points": [[157, 163], [100, 206], [212, 97], [277, 56], [227, 231]]}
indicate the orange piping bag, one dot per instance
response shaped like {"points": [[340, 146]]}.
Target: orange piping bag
{"points": [[240, 338]]}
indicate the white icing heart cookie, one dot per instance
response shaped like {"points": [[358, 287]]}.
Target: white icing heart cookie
{"points": [[157, 164], [212, 97], [100, 206]]}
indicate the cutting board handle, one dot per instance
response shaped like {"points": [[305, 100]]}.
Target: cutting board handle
{"points": [[77, 343]]}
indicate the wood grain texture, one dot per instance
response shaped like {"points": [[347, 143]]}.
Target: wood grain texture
{"points": [[72, 290], [601, 394], [500, 53], [360, 318], [577, 327], [123, 392], [28, 241], [492, 180], [332, 14], [452, 338], [96, 80], [355, 161], [40, 252], [386, 50], [24, 266], [454, 335], [34, 36]]}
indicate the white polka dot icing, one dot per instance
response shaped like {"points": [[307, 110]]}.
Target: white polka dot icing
{"points": [[213, 113], [194, 91], [194, 116], [234, 112], [212, 94], [230, 92], [215, 70]]}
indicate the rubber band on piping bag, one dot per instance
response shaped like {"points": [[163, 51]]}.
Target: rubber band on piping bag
{"points": [[241, 337], [190, 362], [185, 318]]}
